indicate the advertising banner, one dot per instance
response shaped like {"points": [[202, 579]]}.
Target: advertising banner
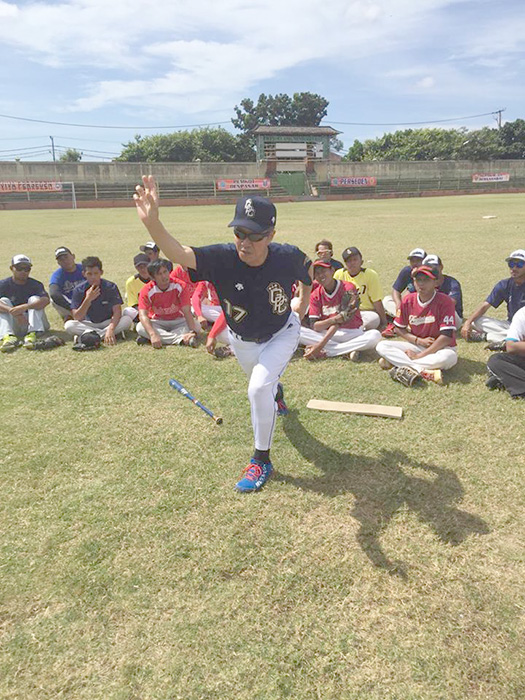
{"points": [[353, 181], [491, 177], [31, 186], [246, 184]]}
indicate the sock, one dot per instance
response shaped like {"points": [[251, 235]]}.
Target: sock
{"points": [[262, 455]]}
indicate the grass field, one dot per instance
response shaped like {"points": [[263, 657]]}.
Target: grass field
{"points": [[384, 561]]}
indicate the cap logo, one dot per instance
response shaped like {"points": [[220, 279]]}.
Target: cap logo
{"points": [[249, 209]]}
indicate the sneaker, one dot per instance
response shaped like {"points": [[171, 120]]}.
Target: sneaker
{"points": [[432, 375], [194, 342], [143, 341], [9, 343], [354, 356], [254, 476], [389, 331], [498, 346], [475, 336], [30, 341], [384, 364], [404, 375], [282, 408], [493, 383]]}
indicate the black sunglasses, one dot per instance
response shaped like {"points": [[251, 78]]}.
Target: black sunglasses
{"points": [[254, 237], [23, 268]]}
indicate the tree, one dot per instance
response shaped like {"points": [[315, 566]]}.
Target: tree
{"points": [[71, 155], [512, 135], [207, 145], [303, 109]]}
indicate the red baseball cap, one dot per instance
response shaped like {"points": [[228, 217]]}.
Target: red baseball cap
{"points": [[431, 272]]}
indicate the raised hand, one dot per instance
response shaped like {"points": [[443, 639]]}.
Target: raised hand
{"points": [[147, 200]]}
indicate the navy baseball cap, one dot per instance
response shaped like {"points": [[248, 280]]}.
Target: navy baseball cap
{"points": [[432, 260], [150, 245], [141, 259], [257, 214], [351, 250]]}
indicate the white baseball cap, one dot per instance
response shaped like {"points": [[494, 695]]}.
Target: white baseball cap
{"points": [[417, 253], [516, 255], [18, 259], [432, 260]]}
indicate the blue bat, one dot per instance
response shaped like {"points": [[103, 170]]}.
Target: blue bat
{"points": [[178, 386]]}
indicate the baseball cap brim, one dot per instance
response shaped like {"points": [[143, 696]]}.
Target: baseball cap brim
{"points": [[322, 263], [425, 270], [251, 225]]}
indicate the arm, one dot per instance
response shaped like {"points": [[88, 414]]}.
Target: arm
{"points": [[414, 339], [473, 316], [153, 335], [41, 303], [380, 309], [147, 203], [396, 296], [109, 338], [57, 296], [303, 296]]}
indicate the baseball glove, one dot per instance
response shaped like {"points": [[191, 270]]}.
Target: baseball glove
{"points": [[349, 304], [49, 343], [404, 375]]}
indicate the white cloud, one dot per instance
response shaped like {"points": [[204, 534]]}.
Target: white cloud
{"points": [[199, 55]]}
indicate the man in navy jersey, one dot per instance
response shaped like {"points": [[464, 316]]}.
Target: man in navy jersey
{"points": [[447, 285], [512, 292], [253, 277], [64, 280]]}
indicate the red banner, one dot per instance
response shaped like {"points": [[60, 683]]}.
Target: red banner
{"points": [[353, 182], [31, 186], [247, 184]]}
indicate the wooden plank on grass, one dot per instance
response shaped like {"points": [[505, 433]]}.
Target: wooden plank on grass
{"points": [[364, 409]]}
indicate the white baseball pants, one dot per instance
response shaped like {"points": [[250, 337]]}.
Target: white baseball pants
{"points": [[343, 341], [34, 320], [389, 305], [371, 319], [79, 327], [264, 363], [171, 332], [495, 329], [395, 352]]}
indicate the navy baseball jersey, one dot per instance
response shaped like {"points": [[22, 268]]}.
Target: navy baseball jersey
{"points": [[255, 300], [452, 288], [101, 308], [404, 280], [510, 292], [19, 293]]}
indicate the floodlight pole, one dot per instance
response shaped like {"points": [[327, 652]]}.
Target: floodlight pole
{"points": [[53, 148]]}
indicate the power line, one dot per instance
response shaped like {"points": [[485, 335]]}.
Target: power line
{"points": [[431, 121], [98, 126]]}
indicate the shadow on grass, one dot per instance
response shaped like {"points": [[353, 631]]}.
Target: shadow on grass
{"points": [[381, 488], [465, 370]]}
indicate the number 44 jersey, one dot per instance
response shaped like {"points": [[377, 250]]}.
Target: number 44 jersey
{"points": [[429, 319]]}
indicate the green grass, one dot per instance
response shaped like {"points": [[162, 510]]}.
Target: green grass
{"points": [[384, 561]]}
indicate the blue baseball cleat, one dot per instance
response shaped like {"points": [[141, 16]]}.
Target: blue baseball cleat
{"points": [[254, 476], [282, 408]]}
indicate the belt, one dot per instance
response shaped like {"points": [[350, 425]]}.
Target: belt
{"points": [[263, 339]]}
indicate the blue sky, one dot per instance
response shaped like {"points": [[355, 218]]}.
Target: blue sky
{"points": [[133, 64]]}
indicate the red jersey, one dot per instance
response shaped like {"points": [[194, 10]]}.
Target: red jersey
{"points": [[179, 273], [164, 305], [324, 305], [427, 320], [204, 292]]}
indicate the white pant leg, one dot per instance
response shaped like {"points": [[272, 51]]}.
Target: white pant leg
{"points": [[7, 322], [170, 332], [395, 352], [264, 363], [33, 320], [370, 319], [495, 329], [343, 341], [62, 311], [131, 312], [79, 327], [459, 321], [211, 313], [390, 305]]}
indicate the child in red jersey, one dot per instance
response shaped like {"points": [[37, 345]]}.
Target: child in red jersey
{"points": [[426, 323], [164, 310], [325, 303]]}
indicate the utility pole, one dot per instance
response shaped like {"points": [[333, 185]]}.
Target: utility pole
{"points": [[53, 148], [498, 118]]}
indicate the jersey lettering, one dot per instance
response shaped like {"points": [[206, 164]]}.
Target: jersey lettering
{"points": [[236, 313], [277, 298]]}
